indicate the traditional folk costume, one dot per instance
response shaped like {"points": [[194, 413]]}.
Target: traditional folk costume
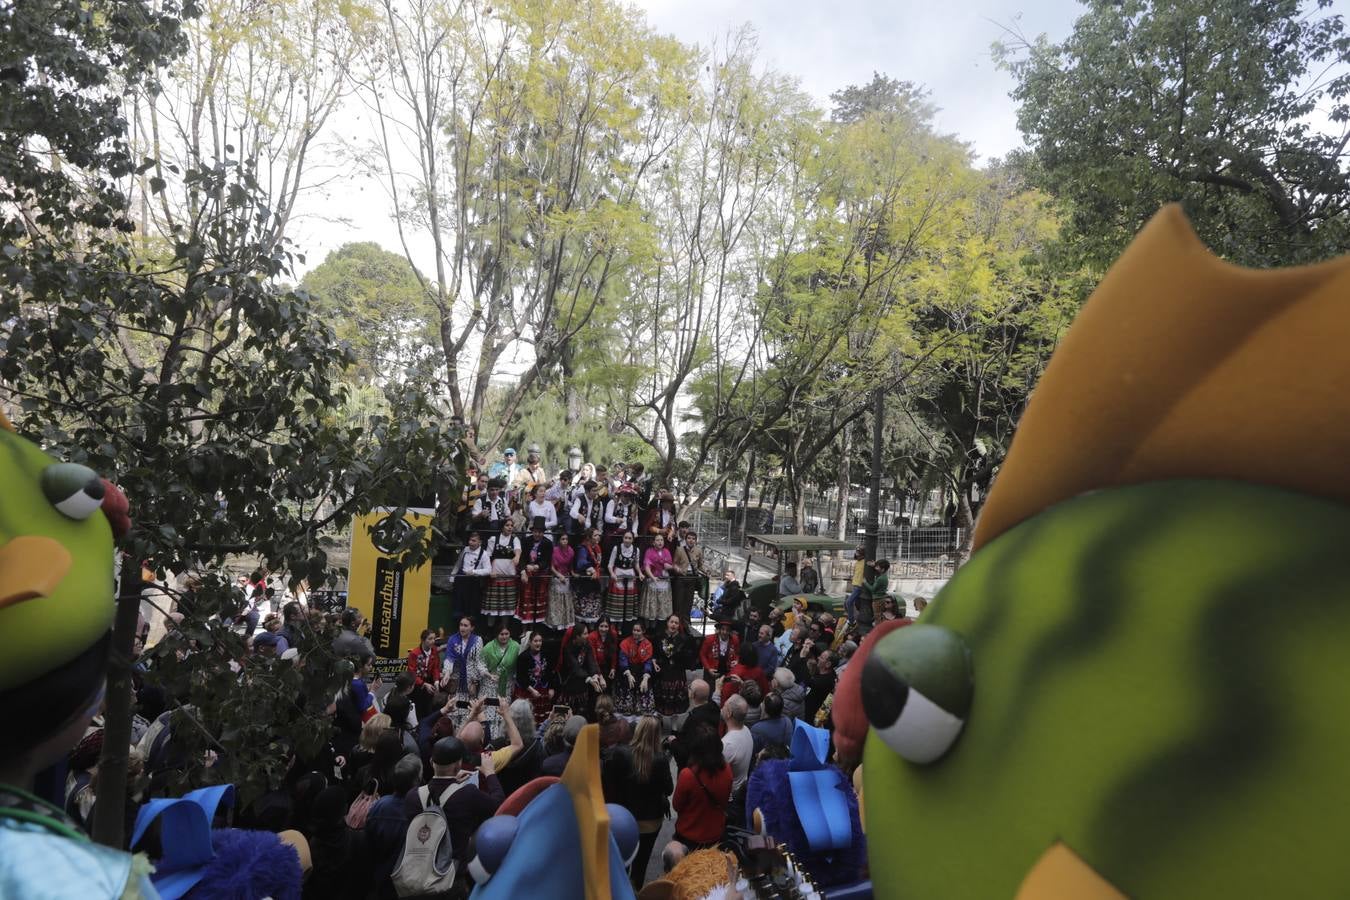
{"points": [[490, 512], [586, 514], [656, 597], [533, 605], [621, 514], [586, 588], [463, 672], [635, 658], [533, 671], [621, 603], [471, 574], [606, 653], [673, 655], [503, 588], [719, 657], [576, 667], [500, 663], [560, 613]]}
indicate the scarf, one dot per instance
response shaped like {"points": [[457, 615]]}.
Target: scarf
{"points": [[501, 662], [638, 653], [457, 653]]}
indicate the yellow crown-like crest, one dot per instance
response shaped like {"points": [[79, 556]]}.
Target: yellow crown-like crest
{"points": [[1184, 366]]}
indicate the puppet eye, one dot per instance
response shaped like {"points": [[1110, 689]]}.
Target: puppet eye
{"points": [[916, 690], [75, 490]]}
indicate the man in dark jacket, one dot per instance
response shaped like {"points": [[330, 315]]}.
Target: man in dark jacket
{"points": [[702, 714], [468, 805]]}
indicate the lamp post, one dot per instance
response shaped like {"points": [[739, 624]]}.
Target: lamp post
{"points": [[574, 459]]}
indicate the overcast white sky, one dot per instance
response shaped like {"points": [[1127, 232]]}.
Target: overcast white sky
{"points": [[827, 44]]}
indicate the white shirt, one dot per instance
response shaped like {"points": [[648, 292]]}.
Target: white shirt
{"points": [[583, 510], [504, 566], [544, 509], [496, 508], [738, 746], [616, 513], [474, 562]]}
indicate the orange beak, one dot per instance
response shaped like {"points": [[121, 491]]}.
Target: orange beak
{"points": [[31, 566]]}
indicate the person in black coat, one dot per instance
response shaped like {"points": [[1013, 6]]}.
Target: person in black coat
{"points": [[703, 713]]}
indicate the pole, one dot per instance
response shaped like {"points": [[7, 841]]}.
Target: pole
{"points": [[109, 812]]}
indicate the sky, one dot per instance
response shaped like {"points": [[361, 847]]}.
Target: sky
{"points": [[827, 44]]}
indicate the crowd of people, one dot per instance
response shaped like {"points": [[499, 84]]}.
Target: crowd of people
{"points": [[546, 641], [552, 552]]}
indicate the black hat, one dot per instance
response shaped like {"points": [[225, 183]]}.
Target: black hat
{"points": [[447, 751], [537, 524]]}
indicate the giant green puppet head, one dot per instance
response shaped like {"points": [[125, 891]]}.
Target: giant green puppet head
{"points": [[1138, 686], [56, 587]]}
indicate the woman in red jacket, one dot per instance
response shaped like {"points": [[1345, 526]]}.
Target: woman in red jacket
{"points": [[702, 794], [425, 665]]}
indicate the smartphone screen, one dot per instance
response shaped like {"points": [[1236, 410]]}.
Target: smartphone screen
{"points": [[562, 710], [489, 701], [461, 704]]}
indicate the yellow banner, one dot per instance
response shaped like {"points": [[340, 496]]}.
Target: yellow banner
{"points": [[395, 601]]}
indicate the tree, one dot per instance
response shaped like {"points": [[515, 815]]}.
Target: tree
{"points": [[531, 126], [377, 305], [258, 85], [712, 203], [992, 322], [1238, 109], [186, 376]]}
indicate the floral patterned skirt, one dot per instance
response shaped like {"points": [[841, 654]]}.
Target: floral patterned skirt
{"points": [[560, 613], [656, 600]]}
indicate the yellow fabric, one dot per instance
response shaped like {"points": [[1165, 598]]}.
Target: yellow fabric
{"points": [[1184, 366], [859, 571], [582, 780], [501, 757], [1061, 875]]}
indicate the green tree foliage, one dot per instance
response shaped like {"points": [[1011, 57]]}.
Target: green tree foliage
{"points": [[376, 303], [186, 377], [1236, 108]]}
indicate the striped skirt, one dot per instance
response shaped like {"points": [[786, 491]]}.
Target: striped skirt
{"points": [[502, 595], [533, 605], [560, 613], [621, 603]]}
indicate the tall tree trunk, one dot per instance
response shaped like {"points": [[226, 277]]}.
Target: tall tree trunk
{"points": [[965, 521], [842, 504], [571, 394], [749, 479], [110, 811], [777, 495], [874, 493], [799, 509]]}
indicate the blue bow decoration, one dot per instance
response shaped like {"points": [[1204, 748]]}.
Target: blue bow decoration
{"points": [[818, 791]]}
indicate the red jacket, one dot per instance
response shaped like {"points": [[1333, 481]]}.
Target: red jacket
{"points": [[433, 667], [708, 656], [745, 673], [700, 803], [606, 654]]}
